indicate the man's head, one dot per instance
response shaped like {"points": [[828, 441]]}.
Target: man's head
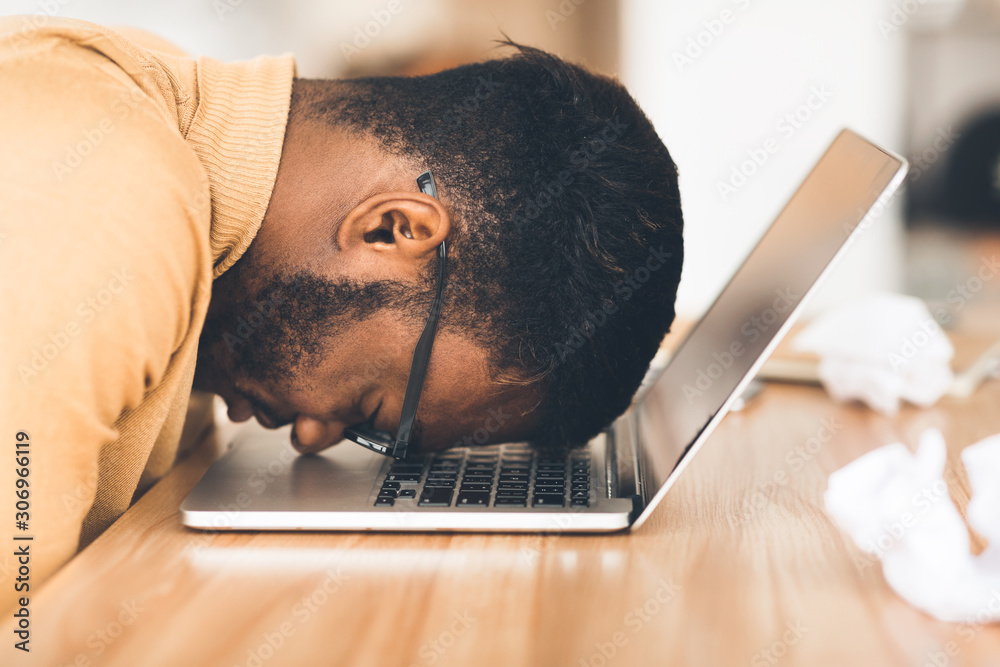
{"points": [[561, 211]]}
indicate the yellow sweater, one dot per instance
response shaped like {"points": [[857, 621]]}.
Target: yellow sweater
{"points": [[130, 177]]}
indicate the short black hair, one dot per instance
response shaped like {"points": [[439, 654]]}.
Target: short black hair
{"points": [[567, 246]]}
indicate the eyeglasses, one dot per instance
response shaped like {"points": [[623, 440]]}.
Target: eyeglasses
{"points": [[383, 442]]}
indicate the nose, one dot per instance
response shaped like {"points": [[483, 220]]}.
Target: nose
{"points": [[238, 409], [312, 435]]}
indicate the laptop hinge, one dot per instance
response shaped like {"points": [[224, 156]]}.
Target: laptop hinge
{"points": [[610, 463], [623, 470], [638, 469]]}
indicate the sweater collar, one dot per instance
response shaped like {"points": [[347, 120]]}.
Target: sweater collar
{"points": [[237, 132]]}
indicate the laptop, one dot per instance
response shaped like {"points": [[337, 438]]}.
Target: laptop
{"points": [[615, 481]]}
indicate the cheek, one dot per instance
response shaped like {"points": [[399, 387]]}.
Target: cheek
{"points": [[329, 387], [474, 421]]}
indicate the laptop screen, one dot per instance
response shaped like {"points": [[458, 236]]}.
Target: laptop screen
{"points": [[839, 199]]}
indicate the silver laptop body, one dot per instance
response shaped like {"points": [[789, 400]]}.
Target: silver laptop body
{"points": [[619, 478]]}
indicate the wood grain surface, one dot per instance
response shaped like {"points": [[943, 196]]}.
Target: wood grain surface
{"points": [[738, 566]]}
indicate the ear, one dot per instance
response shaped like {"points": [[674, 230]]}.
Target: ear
{"points": [[403, 227]]}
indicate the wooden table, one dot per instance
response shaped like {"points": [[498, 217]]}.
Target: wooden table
{"points": [[712, 579]]}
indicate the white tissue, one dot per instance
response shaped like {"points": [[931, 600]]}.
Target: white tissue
{"points": [[896, 507], [880, 349]]}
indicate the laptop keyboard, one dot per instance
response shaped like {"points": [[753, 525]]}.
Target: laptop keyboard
{"points": [[498, 476]]}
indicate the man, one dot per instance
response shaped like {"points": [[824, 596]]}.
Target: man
{"points": [[172, 223]]}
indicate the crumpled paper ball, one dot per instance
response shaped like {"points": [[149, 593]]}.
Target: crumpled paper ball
{"points": [[881, 349], [896, 507]]}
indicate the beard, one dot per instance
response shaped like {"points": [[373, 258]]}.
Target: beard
{"points": [[273, 327]]}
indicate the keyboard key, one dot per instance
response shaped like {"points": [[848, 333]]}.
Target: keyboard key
{"points": [[407, 493], [387, 493], [390, 485], [515, 470], [435, 496], [384, 502], [407, 467], [472, 486], [580, 502], [581, 478], [473, 499], [512, 486], [510, 501], [402, 477], [580, 494], [440, 484], [545, 474], [548, 500], [513, 478], [549, 488]]}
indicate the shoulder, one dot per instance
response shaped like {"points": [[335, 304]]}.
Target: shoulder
{"points": [[95, 176], [40, 43]]}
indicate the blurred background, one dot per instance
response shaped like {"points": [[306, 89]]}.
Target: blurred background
{"points": [[720, 79]]}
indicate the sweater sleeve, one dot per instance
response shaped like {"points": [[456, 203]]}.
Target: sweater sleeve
{"points": [[103, 211]]}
